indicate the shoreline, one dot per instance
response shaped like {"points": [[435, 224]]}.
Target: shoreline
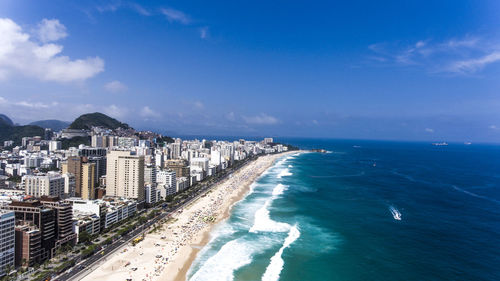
{"points": [[182, 239]]}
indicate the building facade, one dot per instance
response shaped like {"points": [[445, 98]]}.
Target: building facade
{"points": [[125, 175]]}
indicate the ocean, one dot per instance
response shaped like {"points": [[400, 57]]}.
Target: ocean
{"points": [[366, 210]]}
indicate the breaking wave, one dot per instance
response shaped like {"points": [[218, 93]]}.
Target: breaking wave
{"points": [[275, 267]]}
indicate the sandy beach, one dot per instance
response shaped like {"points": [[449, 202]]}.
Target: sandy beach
{"points": [[168, 253]]}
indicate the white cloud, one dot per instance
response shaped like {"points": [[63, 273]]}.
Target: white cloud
{"points": [[261, 119], [204, 32], [115, 86], [115, 111], [19, 54], [419, 44], [429, 130], [457, 56], [109, 7], [175, 16], [199, 104], [315, 122], [230, 116], [32, 104], [493, 127], [474, 65], [148, 112], [27, 104], [140, 9], [51, 30]]}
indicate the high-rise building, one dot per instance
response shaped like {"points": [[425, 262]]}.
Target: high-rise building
{"points": [[125, 175], [175, 150], [88, 181], [7, 241], [28, 245], [54, 145], [64, 220], [166, 177], [100, 166], [44, 218], [99, 141], [69, 185], [51, 184], [73, 165], [179, 166], [85, 176], [199, 162]]}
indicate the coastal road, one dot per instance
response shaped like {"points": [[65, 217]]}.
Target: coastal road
{"points": [[81, 269]]}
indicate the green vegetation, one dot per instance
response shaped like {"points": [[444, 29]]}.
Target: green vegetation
{"points": [[74, 142], [84, 237], [164, 140], [5, 121], [55, 125], [15, 179], [87, 121], [290, 147], [16, 133]]}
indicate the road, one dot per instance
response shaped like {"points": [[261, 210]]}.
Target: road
{"points": [[84, 267]]}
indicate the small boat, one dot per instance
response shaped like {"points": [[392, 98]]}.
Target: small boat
{"points": [[395, 213], [440, 143]]}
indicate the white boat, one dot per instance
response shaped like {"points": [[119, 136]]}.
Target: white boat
{"points": [[395, 213], [440, 143]]}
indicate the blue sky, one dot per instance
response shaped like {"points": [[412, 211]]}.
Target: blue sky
{"points": [[410, 70]]}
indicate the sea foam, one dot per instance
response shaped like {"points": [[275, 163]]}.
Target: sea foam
{"points": [[275, 267], [285, 172], [279, 189], [222, 265], [263, 221]]}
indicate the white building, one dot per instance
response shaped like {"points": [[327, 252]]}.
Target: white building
{"points": [[199, 162], [69, 185], [33, 161], [166, 177], [153, 194], [182, 183], [150, 175], [54, 145], [51, 184]]}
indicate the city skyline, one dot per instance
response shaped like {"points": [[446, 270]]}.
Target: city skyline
{"points": [[408, 71]]}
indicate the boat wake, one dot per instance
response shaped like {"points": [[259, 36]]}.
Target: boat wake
{"points": [[395, 213], [275, 267], [475, 195]]}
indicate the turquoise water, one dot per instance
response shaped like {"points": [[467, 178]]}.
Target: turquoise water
{"points": [[334, 216]]}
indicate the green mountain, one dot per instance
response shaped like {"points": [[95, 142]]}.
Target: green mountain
{"points": [[55, 125], [10, 132], [5, 121], [87, 121]]}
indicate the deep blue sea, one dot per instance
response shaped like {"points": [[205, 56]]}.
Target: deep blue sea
{"points": [[333, 216]]}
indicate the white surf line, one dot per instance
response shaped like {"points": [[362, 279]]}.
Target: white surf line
{"points": [[222, 265], [275, 267]]}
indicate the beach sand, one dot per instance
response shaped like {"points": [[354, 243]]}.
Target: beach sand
{"points": [[168, 253]]}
